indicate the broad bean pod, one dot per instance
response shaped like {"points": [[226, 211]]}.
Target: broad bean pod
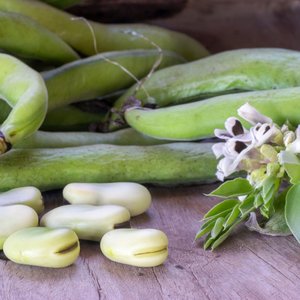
{"points": [[127, 136], [26, 38], [24, 90], [227, 72], [68, 118], [102, 38], [199, 119], [183, 163], [95, 76], [71, 118]]}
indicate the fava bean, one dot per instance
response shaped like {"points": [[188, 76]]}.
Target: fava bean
{"points": [[14, 218], [29, 196], [135, 197], [43, 247], [78, 34], [71, 118], [26, 38], [136, 247], [198, 120], [88, 222], [127, 136], [68, 118], [23, 89], [48, 169], [95, 76], [226, 72]]}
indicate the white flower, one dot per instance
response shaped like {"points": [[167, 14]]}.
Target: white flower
{"points": [[240, 151], [252, 116], [294, 146]]}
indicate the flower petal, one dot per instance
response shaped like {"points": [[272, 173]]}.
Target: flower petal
{"points": [[263, 133], [218, 149], [234, 126], [222, 134], [250, 114]]}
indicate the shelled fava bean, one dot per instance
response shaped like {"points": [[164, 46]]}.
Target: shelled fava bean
{"points": [[57, 244]]}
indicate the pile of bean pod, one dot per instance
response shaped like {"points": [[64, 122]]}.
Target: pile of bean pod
{"points": [[153, 95]]}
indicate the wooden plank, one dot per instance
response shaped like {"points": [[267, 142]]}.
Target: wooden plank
{"points": [[247, 266]]}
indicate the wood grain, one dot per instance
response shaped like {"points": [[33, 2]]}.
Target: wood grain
{"points": [[247, 266]]}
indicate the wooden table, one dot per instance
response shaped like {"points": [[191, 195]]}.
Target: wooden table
{"points": [[246, 266]]}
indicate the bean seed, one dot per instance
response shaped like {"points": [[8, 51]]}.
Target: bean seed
{"points": [[135, 197], [136, 247], [14, 218], [28, 195], [44, 247], [87, 221]]}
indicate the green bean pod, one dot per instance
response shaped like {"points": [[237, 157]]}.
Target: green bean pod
{"points": [[24, 90], [47, 169], [95, 76], [199, 119], [26, 38], [68, 118], [127, 136], [71, 118], [89, 37], [223, 73]]}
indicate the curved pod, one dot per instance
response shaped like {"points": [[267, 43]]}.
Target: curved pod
{"points": [[226, 72], [77, 32], [26, 38], [24, 90], [199, 119], [95, 76]]}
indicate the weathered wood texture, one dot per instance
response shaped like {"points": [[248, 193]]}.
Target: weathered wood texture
{"points": [[247, 266], [230, 24]]}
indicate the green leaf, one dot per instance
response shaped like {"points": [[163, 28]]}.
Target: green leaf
{"points": [[292, 210], [267, 188], [232, 217], [247, 205], [215, 217], [258, 200], [205, 229], [276, 225], [221, 207], [221, 238], [291, 164], [218, 227], [233, 188], [209, 240]]}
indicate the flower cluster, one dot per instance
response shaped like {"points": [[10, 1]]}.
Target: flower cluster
{"points": [[254, 149]]}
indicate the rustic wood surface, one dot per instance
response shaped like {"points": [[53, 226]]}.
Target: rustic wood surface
{"points": [[247, 266]]}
